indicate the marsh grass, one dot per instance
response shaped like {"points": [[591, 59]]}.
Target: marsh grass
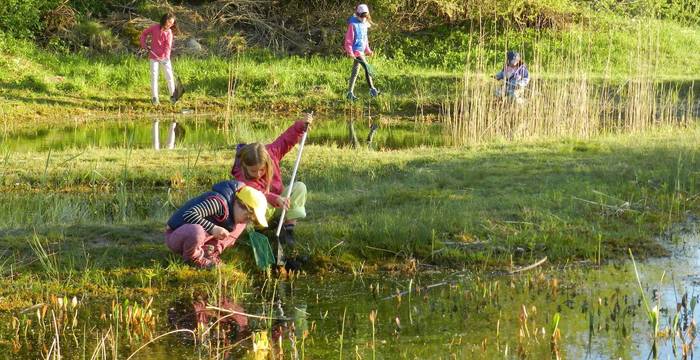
{"points": [[46, 258], [575, 105], [560, 199], [652, 313]]}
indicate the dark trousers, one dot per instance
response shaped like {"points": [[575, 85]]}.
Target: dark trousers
{"points": [[359, 61]]}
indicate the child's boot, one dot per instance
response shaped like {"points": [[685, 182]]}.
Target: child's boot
{"points": [[154, 101], [373, 92], [287, 234], [351, 96]]}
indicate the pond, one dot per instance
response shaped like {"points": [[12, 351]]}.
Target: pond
{"points": [[574, 311], [214, 132]]}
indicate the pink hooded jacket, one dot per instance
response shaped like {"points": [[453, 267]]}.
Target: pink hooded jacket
{"points": [[277, 149], [356, 41], [161, 42]]}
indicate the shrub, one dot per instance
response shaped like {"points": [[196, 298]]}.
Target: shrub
{"points": [[96, 36], [22, 18]]}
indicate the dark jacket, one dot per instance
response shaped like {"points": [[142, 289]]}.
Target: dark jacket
{"points": [[224, 191]]}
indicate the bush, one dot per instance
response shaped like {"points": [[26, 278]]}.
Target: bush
{"points": [[684, 11], [96, 36], [103, 7], [23, 18]]}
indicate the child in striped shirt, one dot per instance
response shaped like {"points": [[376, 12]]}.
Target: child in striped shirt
{"points": [[208, 224]]}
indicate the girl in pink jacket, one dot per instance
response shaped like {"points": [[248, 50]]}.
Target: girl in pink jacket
{"points": [[258, 166], [357, 46], [159, 54]]}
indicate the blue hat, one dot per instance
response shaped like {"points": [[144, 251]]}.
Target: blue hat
{"points": [[512, 55]]}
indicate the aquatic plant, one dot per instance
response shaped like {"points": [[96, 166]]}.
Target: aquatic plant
{"points": [[373, 320], [48, 260], [651, 312], [555, 337]]}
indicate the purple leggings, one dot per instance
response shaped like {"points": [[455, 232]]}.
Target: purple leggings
{"points": [[188, 240]]}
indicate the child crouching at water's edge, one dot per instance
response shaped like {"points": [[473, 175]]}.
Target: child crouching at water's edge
{"points": [[258, 166], [208, 224]]}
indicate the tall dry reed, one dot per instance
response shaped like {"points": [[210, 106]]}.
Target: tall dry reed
{"points": [[572, 105]]}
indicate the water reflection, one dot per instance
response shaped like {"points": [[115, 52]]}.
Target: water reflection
{"points": [[155, 134], [225, 322], [227, 329]]}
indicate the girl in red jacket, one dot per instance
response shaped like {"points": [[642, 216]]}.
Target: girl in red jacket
{"points": [[258, 166]]}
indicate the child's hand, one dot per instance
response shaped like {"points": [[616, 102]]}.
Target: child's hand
{"points": [[308, 119], [282, 203], [219, 232]]}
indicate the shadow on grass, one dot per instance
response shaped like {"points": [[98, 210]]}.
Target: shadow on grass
{"points": [[83, 246]]}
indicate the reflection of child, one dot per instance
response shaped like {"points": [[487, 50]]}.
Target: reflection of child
{"points": [[515, 76], [159, 54], [208, 224], [258, 166], [357, 46]]}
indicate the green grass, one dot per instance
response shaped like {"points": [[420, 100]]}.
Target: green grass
{"points": [[416, 73], [553, 199]]}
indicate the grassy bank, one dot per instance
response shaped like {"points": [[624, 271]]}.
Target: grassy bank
{"points": [[461, 207], [417, 77]]}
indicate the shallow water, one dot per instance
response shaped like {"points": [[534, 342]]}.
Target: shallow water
{"points": [[210, 132], [427, 315]]}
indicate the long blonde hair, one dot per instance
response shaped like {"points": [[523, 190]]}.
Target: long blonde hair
{"points": [[255, 154]]}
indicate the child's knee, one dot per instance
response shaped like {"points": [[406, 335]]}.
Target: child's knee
{"points": [[186, 236], [193, 231], [299, 187]]}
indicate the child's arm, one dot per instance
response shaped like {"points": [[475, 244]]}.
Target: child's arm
{"points": [[285, 142], [525, 79], [500, 75], [349, 40], [169, 45], [368, 50], [144, 35], [212, 206]]}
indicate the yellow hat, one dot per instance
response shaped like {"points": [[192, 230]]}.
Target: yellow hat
{"points": [[255, 201]]}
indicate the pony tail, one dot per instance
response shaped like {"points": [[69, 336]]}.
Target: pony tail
{"points": [[269, 171]]}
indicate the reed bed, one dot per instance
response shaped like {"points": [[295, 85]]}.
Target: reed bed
{"points": [[573, 104]]}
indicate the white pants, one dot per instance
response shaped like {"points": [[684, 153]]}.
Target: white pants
{"points": [[169, 79]]}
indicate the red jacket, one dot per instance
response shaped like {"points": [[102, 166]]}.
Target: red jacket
{"points": [[277, 149]]}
